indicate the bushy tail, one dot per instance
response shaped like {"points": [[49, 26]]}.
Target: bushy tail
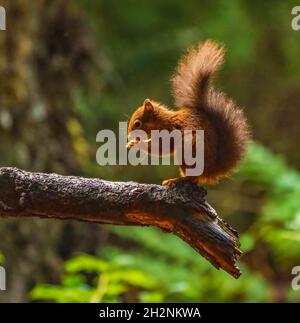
{"points": [[192, 90], [194, 72]]}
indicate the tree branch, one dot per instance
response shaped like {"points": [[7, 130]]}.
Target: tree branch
{"points": [[181, 210]]}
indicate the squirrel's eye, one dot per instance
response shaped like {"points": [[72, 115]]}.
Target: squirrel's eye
{"points": [[137, 124]]}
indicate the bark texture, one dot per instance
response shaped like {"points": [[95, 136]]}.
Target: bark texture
{"points": [[181, 210]]}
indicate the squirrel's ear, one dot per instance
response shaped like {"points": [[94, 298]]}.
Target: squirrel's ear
{"points": [[148, 107]]}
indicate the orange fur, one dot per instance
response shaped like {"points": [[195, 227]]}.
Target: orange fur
{"points": [[226, 131]]}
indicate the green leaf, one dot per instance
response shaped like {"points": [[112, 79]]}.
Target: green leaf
{"points": [[86, 263]]}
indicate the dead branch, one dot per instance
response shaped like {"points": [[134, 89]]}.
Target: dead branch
{"points": [[181, 210]]}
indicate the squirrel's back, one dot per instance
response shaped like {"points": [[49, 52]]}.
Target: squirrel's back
{"points": [[192, 89]]}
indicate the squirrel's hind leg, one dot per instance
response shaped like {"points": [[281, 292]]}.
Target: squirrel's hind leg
{"points": [[173, 181]]}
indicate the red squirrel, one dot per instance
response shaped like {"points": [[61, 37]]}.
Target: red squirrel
{"points": [[200, 107]]}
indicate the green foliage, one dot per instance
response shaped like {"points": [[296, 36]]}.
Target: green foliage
{"points": [[278, 222], [187, 277], [89, 279], [1, 258]]}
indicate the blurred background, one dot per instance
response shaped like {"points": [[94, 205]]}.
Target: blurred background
{"points": [[71, 68]]}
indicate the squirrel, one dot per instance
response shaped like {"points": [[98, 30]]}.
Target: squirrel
{"points": [[201, 107]]}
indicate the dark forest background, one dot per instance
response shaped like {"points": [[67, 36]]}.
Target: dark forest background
{"points": [[71, 68]]}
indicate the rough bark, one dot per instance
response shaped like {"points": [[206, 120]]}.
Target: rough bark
{"points": [[181, 210]]}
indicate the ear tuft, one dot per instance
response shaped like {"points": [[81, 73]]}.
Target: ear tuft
{"points": [[148, 106]]}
